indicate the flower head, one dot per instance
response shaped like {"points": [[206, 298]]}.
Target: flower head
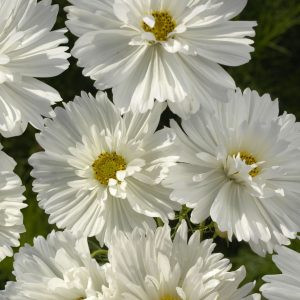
{"points": [[101, 170], [164, 50], [28, 49], [11, 203], [285, 285], [59, 267], [238, 167], [153, 267]]}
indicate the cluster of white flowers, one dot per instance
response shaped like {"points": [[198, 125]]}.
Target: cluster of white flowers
{"points": [[107, 170], [143, 265]]}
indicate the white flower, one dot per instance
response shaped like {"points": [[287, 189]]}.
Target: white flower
{"points": [[152, 267], [28, 48], [160, 49], [59, 267], [286, 285], [11, 198], [102, 171], [240, 166]]}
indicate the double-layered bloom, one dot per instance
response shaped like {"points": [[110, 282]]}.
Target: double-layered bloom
{"points": [[160, 49], [153, 267], [239, 166], [28, 49], [59, 267], [11, 203], [285, 285], [102, 171], [143, 265]]}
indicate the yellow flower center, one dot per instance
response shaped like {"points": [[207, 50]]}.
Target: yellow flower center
{"points": [[169, 297], [249, 159], [107, 165], [164, 24]]}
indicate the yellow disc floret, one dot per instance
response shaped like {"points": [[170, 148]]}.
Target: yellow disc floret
{"points": [[249, 159], [107, 165], [164, 24], [169, 297]]}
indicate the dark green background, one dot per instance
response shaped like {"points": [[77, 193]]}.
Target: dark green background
{"points": [[274, 69]]}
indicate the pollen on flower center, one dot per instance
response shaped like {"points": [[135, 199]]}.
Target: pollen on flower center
{"points": [[164, 24], [169, 297], [249, 159], [107, 165]]}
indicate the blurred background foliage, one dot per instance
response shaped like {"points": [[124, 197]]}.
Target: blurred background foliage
{"points": [[274, 69]]}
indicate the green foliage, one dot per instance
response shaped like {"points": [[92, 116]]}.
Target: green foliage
{"points": [[274, 69]]}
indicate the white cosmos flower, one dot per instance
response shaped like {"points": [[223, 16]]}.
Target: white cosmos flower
{"points": [[28, 49], [101, 170], [240, 166], [59, 267], [160, 49], [11, 203], [286, 285], [152, 267]]}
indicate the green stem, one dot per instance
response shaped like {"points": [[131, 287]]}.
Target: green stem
{"points": [[184, 212], [160, 223], [99, 252], [202, 228], [182, 216]]}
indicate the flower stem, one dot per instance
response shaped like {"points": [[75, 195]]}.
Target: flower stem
{"points": [[99, 252]]}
